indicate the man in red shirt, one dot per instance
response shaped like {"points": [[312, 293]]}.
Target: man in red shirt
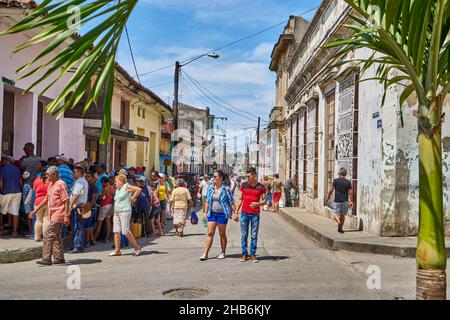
{"points": [[250, 200]]}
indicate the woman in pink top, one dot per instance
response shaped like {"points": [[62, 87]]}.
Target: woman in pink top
{"points": [[40, 187]]}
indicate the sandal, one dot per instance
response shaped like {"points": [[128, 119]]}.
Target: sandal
{"points": [[115, 254], [137, 252]]}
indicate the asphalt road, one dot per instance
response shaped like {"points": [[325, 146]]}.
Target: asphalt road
{"points": [[290, 267]]}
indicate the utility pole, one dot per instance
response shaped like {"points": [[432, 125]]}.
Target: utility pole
{"points": [[175, 107], [257, 142]]}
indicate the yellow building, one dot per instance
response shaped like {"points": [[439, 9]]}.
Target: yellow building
{"points": [[138, 116]]}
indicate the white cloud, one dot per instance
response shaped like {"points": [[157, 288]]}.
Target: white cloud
{"points": [[262, 52]]}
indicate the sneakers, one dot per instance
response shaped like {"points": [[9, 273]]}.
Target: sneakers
{"points": [[75, 251], [221, 256], [243, 258], [59, 261], [137, 252], [253, 259], [44, 262], [203, 257], [92, 243]]}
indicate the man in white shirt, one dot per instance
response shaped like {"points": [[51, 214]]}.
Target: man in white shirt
{"points": [[203, 189], [78, 198]]}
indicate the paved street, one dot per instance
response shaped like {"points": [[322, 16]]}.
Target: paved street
{"points": [[290, 267]]}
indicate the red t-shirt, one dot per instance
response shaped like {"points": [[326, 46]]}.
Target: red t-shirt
{"points": [[251, 194], [41, 190], [107, 199]]}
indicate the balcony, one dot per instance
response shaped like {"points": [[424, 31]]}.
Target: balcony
{"points": [[276, 119]]}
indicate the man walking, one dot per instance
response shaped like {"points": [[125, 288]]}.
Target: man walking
{"points": [[250, 200], [78, 199], [344, 192], [277, 189], [10, 189], [57, 200]]}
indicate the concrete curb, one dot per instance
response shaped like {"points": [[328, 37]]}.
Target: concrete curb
{"points": [[27, 254], [333, 244]]}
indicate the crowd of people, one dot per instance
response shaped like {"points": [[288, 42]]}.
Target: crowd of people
{"points": [[50, 199]]}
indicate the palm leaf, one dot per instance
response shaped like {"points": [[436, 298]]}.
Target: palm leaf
{"points": [[91, 54]]}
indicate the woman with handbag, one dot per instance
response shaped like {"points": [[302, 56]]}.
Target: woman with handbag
{"points": [[219, 203], [126, 194]]}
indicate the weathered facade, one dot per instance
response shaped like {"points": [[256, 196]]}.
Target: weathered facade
{"points": [[334, 120], [194, 126]]}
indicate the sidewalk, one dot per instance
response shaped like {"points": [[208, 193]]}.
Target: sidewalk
{"points": [[324, 231], [21, 249]]}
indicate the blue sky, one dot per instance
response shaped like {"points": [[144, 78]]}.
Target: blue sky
{"points": [[163, 31]]}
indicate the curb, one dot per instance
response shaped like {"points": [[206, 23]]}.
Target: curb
{"points": [[332, 244], [27, 254]]}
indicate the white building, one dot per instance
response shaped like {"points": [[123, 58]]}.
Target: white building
{"points": [[22, 117], [333, 121]]}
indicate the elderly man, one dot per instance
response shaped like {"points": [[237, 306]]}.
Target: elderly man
{"points": [[57, 200], [10, 189]]}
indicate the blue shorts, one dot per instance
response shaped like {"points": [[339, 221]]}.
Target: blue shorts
{"points": [[219, 218], [341, 208], [163, 204], [89, 222]]}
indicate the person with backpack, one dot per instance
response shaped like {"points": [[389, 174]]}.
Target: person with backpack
{"points": [[219, 207], [250, 201], [343, 193]]}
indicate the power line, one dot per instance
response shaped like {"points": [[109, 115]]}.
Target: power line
{"points": [[231, 43], [220, 99], [197, 84], [132, 54], [215, 102]]}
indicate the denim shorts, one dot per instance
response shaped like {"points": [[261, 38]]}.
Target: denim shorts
{"points": [[163, 204], [89, 222], [155, 212], [341, 208], [219, 218]]}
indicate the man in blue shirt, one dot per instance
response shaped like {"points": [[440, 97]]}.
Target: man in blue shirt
{"points": [[65, 173], [11, 191], [101, 172]]}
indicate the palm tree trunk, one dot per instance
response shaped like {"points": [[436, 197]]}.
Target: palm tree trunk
{"points": [[431, 253]]}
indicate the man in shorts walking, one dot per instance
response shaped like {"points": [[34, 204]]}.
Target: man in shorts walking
{"points": [[343, 193]]}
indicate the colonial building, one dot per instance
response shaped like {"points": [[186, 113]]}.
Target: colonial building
{"points": [[281, 56], [334, 120], [137, 118], [22, 117], [194, 126]]}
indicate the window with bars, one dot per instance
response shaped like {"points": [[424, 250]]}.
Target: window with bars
{"points": [[347, 130], [330, 136], [303, 139]]}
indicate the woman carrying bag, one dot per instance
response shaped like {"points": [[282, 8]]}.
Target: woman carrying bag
{"points": [[219, 203]]}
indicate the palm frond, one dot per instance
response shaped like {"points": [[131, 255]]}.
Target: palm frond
{"points": [[92, 54]]}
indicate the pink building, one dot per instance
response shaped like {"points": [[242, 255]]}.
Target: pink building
{"points": [[22, 117]]}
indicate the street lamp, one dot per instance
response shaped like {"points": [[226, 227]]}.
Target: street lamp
{"points": [[178, 67]]}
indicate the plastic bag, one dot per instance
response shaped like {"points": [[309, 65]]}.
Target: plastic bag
{"points": [[194, 218]]}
